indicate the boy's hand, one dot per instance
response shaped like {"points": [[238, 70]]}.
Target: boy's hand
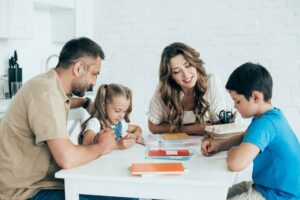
{"points": [[209, 147], [126, 142]]}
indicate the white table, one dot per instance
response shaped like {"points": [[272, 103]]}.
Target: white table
{"points": [[109, 176]]}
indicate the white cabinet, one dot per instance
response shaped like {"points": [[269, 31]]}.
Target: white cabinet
{"points": [[54, 4], [16, 18], [62, 18], [69, 18], [85, 18], [3, 18]]}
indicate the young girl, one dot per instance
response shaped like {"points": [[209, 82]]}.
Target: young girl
{"points": [[111, 109]]}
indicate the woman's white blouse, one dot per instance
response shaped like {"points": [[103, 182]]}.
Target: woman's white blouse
{"points": [[214, 96]]}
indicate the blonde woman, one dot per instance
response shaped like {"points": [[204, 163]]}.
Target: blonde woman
{"points": [[187, 97]]}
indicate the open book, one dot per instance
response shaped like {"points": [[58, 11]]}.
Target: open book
{"points": [[157, 168]]}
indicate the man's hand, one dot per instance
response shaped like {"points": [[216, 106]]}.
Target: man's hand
{"points": [[106, 139]]}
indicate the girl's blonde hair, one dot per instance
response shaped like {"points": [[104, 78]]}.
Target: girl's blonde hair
{"points": [[105, 95], [170, 90]]}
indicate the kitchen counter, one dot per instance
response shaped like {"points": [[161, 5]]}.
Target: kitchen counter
{"points": [[4, 103]]}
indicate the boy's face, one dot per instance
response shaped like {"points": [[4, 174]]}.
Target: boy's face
{"points": [[245, 107]]}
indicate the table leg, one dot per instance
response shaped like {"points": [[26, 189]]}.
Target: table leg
{"points": [[70, 191]]}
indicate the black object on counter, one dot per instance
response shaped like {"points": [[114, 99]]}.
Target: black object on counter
{"points": [[14, 75]]}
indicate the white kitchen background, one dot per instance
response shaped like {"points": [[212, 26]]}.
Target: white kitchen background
{"points": [[133, 34]]}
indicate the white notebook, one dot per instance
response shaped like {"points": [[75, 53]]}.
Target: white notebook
{"points": [[226, 128]]}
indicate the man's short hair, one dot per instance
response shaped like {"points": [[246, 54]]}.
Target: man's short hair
{"points": [[79, 48], [251, 77]]}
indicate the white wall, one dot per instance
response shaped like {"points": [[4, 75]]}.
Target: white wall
{"points": [[133, 34], [32, 53]]}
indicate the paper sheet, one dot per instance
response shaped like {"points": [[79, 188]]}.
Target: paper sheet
{"points": [[219, 155]]}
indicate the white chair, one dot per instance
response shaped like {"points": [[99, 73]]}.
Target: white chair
{"points": [[75, 119]]}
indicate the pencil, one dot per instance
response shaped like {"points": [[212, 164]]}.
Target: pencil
{"points": [[212, 134], [211, 137], [234, 116]]}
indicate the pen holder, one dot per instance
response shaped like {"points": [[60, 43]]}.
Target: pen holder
{"points": [[15, 80]]}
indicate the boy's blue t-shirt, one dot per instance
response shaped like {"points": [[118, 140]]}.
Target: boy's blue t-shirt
{"points": [[276, 169]]}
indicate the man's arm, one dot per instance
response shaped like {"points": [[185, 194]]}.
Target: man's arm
{"points": [[67, 155], [77, 102]]}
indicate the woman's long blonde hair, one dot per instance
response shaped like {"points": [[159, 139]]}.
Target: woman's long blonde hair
{"points": [[105, 95], [170, 90]]}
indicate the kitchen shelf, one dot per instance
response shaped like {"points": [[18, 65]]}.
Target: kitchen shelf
{"points": [[54, 4]]}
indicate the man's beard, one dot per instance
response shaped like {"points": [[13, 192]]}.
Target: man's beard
{"points": [[79, 90]]}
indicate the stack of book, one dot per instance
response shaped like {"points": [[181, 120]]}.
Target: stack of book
{"points": [[169, 154], [149, 169]]}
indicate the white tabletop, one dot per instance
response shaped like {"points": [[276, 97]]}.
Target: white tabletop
{"points": [[109, 175]]}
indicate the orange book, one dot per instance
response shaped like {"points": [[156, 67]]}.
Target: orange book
{"points": [[157, 168], [168, 152], [175, 136]]}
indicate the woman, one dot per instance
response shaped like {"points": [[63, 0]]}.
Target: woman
{"points": [[187, 98]]}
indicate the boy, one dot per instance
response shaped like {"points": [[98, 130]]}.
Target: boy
{"points": [[269, 141]]}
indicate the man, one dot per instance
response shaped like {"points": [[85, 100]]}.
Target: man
{"points": [[34, 140]]}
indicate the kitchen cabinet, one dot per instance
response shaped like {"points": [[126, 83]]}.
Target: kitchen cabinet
{"points": [[69, 18], [16, 18], [54, 4], [63, 18], [85, 18], [3, 19]]}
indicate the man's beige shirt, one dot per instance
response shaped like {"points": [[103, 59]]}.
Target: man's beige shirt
{"points": [[36, 114]]}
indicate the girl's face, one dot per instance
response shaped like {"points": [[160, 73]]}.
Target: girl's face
{"points": [[183, 73], [116, 109], [245, 107]]}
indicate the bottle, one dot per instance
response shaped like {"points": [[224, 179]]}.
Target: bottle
{"points": [[2, 88], [6, 87]]}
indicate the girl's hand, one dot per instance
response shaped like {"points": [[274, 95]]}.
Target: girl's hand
{"points": [[125, 142], [130, 136], [210, 147]]}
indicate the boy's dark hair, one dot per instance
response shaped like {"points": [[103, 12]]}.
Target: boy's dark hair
{"points": [[78, 48], [250, 77]]}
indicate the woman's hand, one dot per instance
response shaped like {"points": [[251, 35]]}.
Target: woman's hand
{"points": [[210, 147]]}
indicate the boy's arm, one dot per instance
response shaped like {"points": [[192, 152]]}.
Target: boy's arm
{"points": [[67, 155], [231, 141], [210, 147], [240, 157]]}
